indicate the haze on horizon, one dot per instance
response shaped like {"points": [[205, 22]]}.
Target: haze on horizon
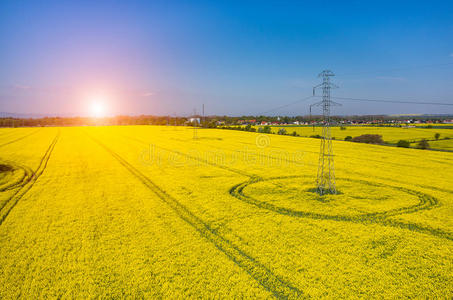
{"points": [[238, 57]]}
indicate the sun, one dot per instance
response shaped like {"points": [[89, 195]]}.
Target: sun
{"points": [[98, 107]]}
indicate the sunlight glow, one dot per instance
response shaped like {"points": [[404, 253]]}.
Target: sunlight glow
{"points": [[98, 108]]}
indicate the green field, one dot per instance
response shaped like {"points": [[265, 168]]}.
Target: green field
{"points": [[150, 212]]}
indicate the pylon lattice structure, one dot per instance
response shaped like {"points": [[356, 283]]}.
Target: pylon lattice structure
{"points": [[326, 172]]}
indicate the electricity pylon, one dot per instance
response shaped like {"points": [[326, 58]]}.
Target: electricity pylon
{"points": [[326, 172]]}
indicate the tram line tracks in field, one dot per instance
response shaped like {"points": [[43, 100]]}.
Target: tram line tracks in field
{"points": [[262, 274], [20, 138], [426, 202], [290, 161], [8, 132], [379, 161], [276, 158], [199, 159], [25, 186]]}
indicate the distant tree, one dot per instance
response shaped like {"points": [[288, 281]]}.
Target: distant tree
{"points": [[260, 129], [248, 127], [429, 126], [369, 139], [343, 128], [437, 136], [267, 129], [348, 138], [423, 144], [316, 136], [295, 133], [403, 143], [282, 131]]}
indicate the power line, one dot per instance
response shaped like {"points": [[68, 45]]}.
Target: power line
{"points": [[284, 106], [398, 69], [374, 100], [358, 99], [393, 101]]}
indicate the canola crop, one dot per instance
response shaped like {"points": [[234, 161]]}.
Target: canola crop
{"points": [[389, 134], [152, 212]]}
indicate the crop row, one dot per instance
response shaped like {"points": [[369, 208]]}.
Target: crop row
{"points": [[262, 274], [29, 182]]}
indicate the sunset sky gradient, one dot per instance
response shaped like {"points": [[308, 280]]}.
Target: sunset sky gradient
{"points": [[237, 57]]}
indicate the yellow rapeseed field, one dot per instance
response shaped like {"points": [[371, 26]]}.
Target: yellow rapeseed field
{"points": [[389, 134], [151, 212]]}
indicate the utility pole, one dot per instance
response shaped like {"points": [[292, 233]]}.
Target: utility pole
{"points": [[311, 119], [203, 122], [195, 134], [326, 172]]}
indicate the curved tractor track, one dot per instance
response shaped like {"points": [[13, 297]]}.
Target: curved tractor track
{"points": [[20, 138], [381, 218], [262, 274], [26, 175], [26, 183]]}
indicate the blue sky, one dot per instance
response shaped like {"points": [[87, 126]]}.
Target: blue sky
{"points": [[237, 57]]}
